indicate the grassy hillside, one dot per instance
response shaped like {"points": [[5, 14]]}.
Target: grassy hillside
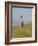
{"points": [[19, 31]]}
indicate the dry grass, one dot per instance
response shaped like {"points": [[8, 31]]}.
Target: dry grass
{"points": [[19, 31]]}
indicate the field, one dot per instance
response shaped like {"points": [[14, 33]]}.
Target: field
{"points": [[19, 31]]}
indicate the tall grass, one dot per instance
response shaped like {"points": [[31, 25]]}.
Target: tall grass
{"points": [[19, 31]]}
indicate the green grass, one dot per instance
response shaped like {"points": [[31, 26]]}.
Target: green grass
{"points": [[19, 31]]}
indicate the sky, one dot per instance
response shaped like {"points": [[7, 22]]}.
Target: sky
{"points": [[25, 12]]}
